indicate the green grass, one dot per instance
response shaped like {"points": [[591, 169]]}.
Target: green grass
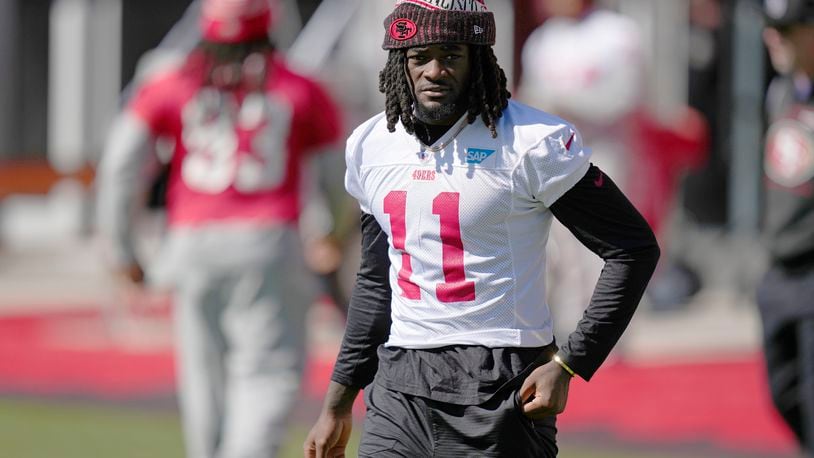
{"points": [[51, 429], [35, 429]]}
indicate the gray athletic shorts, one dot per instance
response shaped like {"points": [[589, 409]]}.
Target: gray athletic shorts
{"points": [[401, 425]]}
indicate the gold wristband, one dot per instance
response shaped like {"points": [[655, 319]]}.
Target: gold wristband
{"points": [[559, 361]]}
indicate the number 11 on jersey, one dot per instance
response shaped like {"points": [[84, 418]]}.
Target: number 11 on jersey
{"points": [[455, 287]]}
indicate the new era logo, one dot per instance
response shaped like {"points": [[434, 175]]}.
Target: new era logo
{"points": [[478, 30], [477, 156]]}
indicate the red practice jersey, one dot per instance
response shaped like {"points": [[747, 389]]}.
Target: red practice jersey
{"points": [[238, 154]]}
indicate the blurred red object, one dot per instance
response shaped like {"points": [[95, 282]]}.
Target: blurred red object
{"points": [[661, 155]]}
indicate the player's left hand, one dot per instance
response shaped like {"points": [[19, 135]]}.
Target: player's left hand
{"points": [[545, 391]]}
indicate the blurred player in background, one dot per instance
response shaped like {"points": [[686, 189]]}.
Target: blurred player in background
{"points": [[587, 63], [596, 83], [458, 187], [785, 294], [243, 128]]}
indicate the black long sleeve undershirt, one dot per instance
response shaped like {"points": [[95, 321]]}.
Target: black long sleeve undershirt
{"points": [[605, 221], [594, 210], [368, 323]]}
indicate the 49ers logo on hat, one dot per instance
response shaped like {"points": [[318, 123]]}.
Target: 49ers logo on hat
{"points": [[403, 29]]}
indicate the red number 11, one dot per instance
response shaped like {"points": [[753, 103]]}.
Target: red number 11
{"points": [[446, 205]]}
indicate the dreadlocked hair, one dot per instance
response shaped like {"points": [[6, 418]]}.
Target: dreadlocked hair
{"points": [[398, 97], [488, 95]]}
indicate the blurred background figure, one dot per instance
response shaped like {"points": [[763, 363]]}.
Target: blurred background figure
{"points": [[241, 128], [700, 184], [785, 294], [588, 62], [585, 64], [704, 189]]}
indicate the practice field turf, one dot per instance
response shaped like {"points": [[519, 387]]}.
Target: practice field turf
{"points": [[74, 429], [34, 428]]}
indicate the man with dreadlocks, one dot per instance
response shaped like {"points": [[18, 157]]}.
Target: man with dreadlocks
{"points": [[448, 331], [242, 126]]}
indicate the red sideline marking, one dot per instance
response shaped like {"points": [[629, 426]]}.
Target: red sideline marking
{"points": [[38, 357], [108, 374], [724, 402]]}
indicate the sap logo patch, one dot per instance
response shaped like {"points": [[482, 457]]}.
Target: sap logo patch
{"points": [[477, 155]]}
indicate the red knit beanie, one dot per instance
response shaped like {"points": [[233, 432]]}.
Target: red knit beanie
{"points": [[423, 22], [234, 21]]}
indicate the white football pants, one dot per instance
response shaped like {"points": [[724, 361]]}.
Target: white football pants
{"points": [[240, 330]]}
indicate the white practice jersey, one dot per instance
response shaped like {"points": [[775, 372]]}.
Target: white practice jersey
{"points": [[467, 224]]}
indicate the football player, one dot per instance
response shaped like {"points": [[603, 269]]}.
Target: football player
{"points": [[448, 331], [243, 126]]}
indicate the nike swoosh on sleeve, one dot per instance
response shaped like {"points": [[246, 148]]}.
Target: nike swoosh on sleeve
{"points": [[568, 143], [600, 180]]}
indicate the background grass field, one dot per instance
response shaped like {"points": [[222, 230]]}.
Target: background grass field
{"points": [[38, 428]]}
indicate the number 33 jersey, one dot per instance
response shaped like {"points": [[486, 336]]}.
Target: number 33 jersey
{"points": [[237, 154], [467, 220]]}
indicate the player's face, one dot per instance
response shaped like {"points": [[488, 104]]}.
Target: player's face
{"points": [[440, 79]]}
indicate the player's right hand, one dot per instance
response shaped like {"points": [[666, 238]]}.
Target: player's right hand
{"points": [[329, 436]]}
